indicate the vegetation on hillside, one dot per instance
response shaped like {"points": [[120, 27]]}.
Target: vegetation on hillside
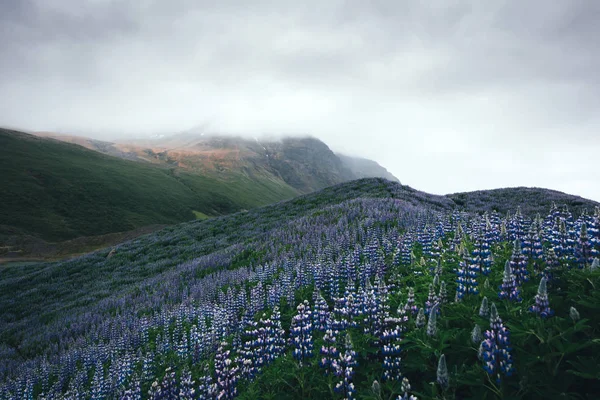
{"points": [[58, 191], [363, 290]]}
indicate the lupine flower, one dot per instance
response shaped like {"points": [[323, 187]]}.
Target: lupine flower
{"points": [[432, 322], [484, 309], [321, 314], [443, 294], [391, 353], [442, 373], [542, 305], [411, 307], [518, 264], [133, 392], [552, 264], [340, 318], [574, 314], [431, 299], [595, 264], [496, 347], [344, 369], [329, 350], [405, 389], [186, 388], [420, 321], [169, 385], [584, 248], [226, 373], [301, 333], [509, 289], [206, 388], [466, 276], [376, 389], [476, 335]]}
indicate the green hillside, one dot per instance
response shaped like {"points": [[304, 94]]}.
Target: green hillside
{"points": [[57, 191]]}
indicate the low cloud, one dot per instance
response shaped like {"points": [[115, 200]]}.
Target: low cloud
{"points": [[449, 96]]}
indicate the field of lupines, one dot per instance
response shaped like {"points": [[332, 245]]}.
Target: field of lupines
{"points": [[357, 292]]}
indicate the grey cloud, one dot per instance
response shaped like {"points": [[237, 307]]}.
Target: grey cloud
{"points": [[491, 93]]}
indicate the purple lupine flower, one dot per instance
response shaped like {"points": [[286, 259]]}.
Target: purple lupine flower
{"points": [[552, 264], [495, 348], [542, 305], [432, 299], [133, 392], [226, 373], [466, 276], [340, 318], [509, 289], [344, 369], [411, 307], [321, 313], [583, 250], [206, 388], [405, 389], [329, 351], [186, 387], [518, 264], [275, 340], [301, 333], [390, 350]]}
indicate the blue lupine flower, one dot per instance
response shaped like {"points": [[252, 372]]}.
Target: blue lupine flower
{"points": [[301, 333], [329, 351], [509, 289], [518, 264], [432, 299], [344, 369], [390, 350], [542, 305], [410, 306], [495, 348]]}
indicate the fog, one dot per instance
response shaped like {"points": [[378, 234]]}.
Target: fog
{"points": [[449, 96]]}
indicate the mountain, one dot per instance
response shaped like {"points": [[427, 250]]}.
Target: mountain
{"points": [[55, 191], [305, 163], [226, 300], [365, 168]]}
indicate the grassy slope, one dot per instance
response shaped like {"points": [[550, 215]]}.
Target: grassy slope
{"points": [[59, 191]]}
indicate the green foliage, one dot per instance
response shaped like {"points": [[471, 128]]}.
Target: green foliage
{"points": [[554, 357], [58, 191]]}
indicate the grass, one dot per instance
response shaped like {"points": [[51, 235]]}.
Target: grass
{"points": [[200, 215], [58, 191]]}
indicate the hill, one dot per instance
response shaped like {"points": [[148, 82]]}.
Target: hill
{"points": [[56, 191], [304, 163], [532, 201], [220, 306], [365, 168]]}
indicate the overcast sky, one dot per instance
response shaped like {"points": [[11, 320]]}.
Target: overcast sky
{"points": [[448, 95]]}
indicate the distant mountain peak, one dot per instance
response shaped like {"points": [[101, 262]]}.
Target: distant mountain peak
{"points": [[365, 168]]}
